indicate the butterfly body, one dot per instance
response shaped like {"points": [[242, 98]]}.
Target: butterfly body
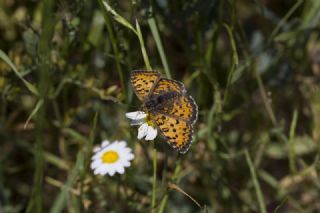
{"points": [[158, 102], [168, 105]]}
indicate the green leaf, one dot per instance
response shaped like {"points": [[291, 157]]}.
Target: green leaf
{"points": [[117, 17], [34, 111]]}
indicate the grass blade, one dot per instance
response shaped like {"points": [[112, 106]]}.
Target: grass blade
{"points": [[143, 49], [291, 154], [60, 200], [30, 87], [43, 68], [284, 19], [235, 61], [255, 183], [156, 35], [117, 17], [34, 111]]}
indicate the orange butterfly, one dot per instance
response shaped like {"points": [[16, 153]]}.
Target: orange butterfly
{"points": [[168, 107]]}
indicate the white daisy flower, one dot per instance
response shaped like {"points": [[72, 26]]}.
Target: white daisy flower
{"points": [[146, 129], [110, 158]]}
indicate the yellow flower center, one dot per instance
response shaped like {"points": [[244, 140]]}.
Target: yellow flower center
{"points": [[149, 121], [110, 157]]}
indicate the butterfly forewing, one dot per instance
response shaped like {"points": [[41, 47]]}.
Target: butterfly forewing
{"points": [[143, 82], [166, 85]]}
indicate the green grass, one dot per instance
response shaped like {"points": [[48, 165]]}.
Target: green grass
{"points": [[252, 67]]}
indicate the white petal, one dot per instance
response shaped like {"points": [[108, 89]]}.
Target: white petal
{"points": [[151, 134], [102, 170], [126, 157], [111, 171], [104, 143], [142, 131], [120, 169], [96, 149], [118, 166], [136, 115], [95, 164], [95, 172], [97, 156], [130, 156], [113, 146], [126, 150], [126, 163], [137, 122], [122, 144]]}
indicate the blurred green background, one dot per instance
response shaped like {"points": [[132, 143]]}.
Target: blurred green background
{"points": [[253, 68]]}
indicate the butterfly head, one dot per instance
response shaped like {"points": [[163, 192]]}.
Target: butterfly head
{"points": [[151, 104]]}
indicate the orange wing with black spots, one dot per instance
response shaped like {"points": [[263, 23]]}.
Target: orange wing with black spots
{"points": [[183, 108], [167, 85], [143, 82], [178, 133], [168, 105]]}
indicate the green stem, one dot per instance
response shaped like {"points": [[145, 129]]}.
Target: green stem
{"points": [[235, 61], [292, 165], [280, 24], [264, 96], [114, 41], [36, 199], [154, 181], [255, 183], [163, 203]]}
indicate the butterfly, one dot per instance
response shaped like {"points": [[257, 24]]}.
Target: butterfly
{"points": [[168, 106]]}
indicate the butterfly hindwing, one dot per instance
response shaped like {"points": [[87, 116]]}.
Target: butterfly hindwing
{"points": [[143, 82], [178, 133]]}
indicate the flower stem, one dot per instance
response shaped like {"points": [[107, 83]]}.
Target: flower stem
{"points": [[154, 181], [163, 204]]}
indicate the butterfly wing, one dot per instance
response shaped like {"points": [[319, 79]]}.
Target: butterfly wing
{"points": [[182, 107], [178, 133], [177, 114], [143, 82], [166, 85], [180, 104]]}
